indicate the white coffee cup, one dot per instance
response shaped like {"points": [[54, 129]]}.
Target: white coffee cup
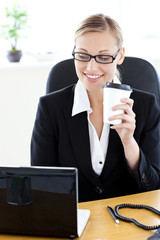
{"points": [[112, 95]]}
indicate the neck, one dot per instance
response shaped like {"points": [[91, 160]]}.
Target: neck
{"points": [[95, 98]]}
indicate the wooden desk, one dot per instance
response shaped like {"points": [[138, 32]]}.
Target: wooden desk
{"points": [[102, 226]]}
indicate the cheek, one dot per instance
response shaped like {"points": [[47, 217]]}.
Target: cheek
{"points": [[79, 68], [110, 69], [109, 73]]}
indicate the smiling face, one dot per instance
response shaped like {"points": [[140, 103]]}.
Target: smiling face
{"points": [[94, 75]]}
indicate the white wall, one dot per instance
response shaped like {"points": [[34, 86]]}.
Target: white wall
{"points": [[21, 85]]}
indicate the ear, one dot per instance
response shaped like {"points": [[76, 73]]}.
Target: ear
{"points": [[121, 56]]}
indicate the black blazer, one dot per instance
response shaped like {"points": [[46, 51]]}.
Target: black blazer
{"points": [[59, 139]]}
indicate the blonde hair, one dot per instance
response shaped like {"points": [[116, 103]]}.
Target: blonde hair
{"points": [[100, 23]]}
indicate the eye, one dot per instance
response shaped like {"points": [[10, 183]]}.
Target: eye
{"points": [[82, 56], [104, 58]]}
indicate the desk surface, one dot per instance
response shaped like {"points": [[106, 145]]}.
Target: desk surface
{"points": [[102, 226]]}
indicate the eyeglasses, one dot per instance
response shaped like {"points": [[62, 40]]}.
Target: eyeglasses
{"points": [[85, 57]]}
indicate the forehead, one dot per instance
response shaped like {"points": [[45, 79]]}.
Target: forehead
{"points": [[97, 41]]}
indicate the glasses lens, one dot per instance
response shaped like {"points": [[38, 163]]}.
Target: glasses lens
{"points": [[104, 59], [81, 57]]}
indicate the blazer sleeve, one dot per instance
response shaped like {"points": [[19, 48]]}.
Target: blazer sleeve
{"points": [[44, 138], [148, 172]]}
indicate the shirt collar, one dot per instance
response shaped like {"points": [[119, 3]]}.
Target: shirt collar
{"points": [[81, 101]]}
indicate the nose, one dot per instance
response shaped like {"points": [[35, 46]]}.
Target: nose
{"points": [[92, 65]]}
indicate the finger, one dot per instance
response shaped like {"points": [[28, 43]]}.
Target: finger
{"points": [[128, 101], [126, 108], [123, 117], [128, 126], [127, 122]]}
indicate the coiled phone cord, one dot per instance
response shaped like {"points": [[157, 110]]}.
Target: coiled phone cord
{"points": [[136, 206]]}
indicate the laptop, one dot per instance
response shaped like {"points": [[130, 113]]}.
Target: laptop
{"points": [[41, 201]]}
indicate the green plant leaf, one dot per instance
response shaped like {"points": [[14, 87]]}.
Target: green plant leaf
{"points": [[17, 21]]}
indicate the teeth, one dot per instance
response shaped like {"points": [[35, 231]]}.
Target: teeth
{"points": [[93, 76]]}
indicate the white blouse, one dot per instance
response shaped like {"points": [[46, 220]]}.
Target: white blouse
{"points": [[98, 146]]}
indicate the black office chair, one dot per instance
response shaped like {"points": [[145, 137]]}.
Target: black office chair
{"points": [[136, 72]]}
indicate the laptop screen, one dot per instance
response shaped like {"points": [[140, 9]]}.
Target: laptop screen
{"points": [[38, 201]]}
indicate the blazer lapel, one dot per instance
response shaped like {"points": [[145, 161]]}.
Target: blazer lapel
{"points": [[79, 136]]}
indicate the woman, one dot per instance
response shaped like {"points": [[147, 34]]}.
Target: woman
{"points": [[69, 129]]}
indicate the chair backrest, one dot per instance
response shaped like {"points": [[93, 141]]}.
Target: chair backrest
{"points": [[136, 72]]}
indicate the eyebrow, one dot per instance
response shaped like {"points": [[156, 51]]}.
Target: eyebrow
{"points": [[106, 50], [83, 49]]}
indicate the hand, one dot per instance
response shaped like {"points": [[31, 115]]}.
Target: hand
{"points": [[127, 127], [126, 130]]}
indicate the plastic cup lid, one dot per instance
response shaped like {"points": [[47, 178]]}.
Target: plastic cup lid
{"points": [[118, 86]]}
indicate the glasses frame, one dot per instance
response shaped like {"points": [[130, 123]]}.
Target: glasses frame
{"points": [[95, 57]]}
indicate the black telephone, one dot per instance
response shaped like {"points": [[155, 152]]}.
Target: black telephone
{"points": [[132, 220]]}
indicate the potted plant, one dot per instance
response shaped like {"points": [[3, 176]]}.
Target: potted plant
{"points": [[16, 20]]}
